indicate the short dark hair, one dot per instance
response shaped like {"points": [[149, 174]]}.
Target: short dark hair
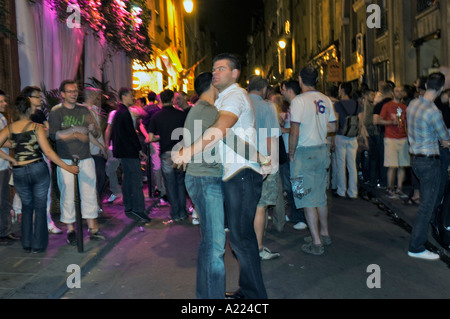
{"points": [[21, 106], [347, 88], [143, 100], [2, 93], [292, 85], [166, 96], [309, 76], [388, 88], [28, 91], [435, 81], [257, 83], [62, 87], [203, 82], [151, 96], [124, 91], [235, 64]]}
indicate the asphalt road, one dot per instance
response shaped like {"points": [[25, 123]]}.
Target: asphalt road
{"points": [[367, 260]]}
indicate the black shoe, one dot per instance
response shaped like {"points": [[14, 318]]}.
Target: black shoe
{"points": [[234, 295], [72, 238], [138, 216], [11, 236], [97, 236], [38, 251], [27, 249]]}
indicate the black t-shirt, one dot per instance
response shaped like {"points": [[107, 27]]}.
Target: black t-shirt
{"points": [[377, 110], [151, 110], [163, 123]]}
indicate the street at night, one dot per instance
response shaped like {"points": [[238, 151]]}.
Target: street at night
{"points": [[160, 262], [143, 140]]}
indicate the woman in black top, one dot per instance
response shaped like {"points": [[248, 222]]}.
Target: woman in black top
{"points": [[30, 172]]}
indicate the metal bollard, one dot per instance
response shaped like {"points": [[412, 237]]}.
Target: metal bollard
{"points": [[79, 221]]}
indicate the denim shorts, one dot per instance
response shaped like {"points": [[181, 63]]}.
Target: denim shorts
{"points": [[309, 176]]}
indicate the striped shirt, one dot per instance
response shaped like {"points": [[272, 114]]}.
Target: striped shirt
{"points": [[425, 127]]}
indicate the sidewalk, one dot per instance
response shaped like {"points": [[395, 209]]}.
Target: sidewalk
{"points": [[44, 275]]}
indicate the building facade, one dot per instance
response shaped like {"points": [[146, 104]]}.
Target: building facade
{"points": [[360, 41]]}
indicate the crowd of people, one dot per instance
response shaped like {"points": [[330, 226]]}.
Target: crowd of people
{"points": [[235, 152]]}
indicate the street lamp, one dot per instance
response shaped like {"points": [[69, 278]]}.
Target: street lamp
{"points": [[282, 44], [257, 71], [188, 5]]}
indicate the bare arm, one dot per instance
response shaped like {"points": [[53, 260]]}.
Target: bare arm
{"points": [[293, 139]]}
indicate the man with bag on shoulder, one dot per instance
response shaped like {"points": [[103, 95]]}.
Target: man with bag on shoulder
{"points": [[350, 120]]}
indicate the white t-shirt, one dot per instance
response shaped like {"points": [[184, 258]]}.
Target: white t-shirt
{"points": [[313, 111], [234, 99], [110, 120]]}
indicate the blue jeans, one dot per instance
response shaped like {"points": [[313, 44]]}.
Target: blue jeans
{"points": [[133, 195], [32, 182], [428, 172], [5, 203], [445, 163], [175, 188], [242, 193], [206, 193]]}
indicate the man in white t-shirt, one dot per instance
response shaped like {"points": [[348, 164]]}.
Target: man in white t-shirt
{"points": [[311, 114], [242, 178]]}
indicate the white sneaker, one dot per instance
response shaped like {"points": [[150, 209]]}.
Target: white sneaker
{"points": [[428, 255], [52, 229], [300, 226], [111, 199], [266, 254]]}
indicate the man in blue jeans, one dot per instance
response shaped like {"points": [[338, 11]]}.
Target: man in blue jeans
{"points": [[242, 178], [425, 128], [127, 148], [164, 124], [204, 185]]}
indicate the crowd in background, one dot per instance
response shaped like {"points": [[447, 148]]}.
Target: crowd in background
{"points": [[365, 138]]}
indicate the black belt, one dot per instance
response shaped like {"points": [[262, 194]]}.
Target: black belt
{"points": [[426, 156], [38, 161]]}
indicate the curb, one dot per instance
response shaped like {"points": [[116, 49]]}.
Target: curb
{"points": [[91, 260]]}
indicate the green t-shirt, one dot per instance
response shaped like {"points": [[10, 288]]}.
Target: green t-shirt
{"points": [[201, 117]]}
